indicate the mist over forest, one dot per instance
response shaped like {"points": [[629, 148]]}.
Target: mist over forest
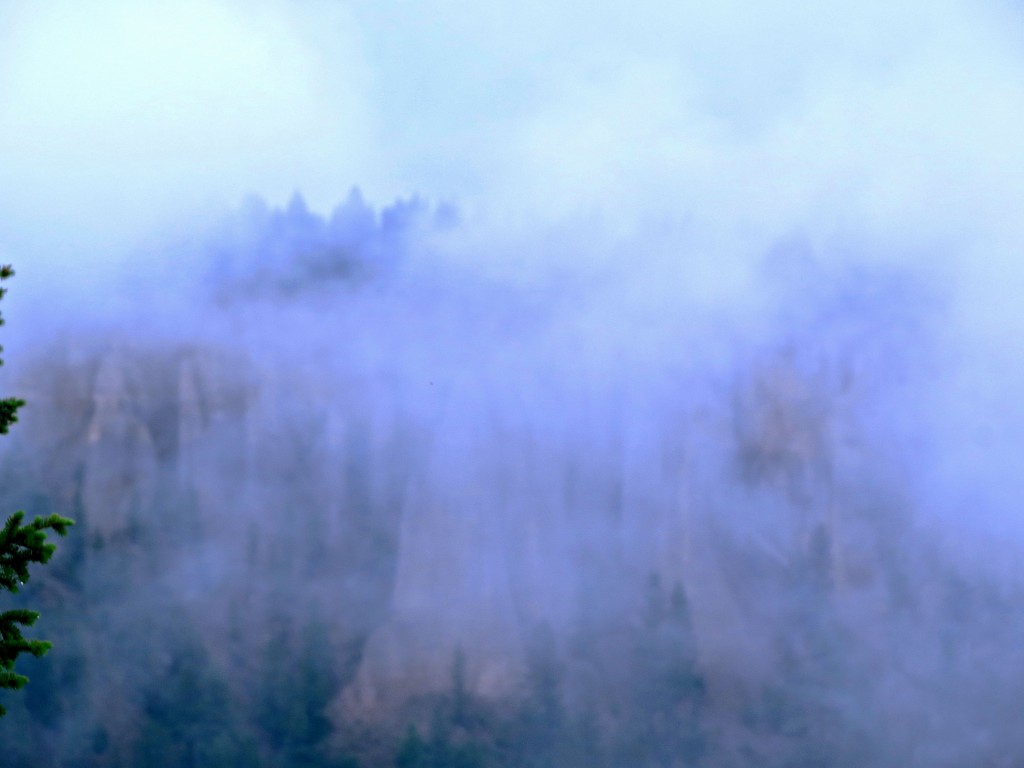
{"points": [[363, 504], [453, 388]]}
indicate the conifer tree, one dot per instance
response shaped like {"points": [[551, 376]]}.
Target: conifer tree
{"points": [[20, 545]]}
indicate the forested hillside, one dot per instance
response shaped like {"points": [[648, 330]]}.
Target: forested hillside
{"points": [[370, 514]]}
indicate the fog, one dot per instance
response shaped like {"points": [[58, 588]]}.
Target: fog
{"points": [[517, 385]]}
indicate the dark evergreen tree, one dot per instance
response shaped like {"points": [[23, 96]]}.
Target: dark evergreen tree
{"points": [[299, 680], [816, 708], [189, 717], [412, 752], [20, 546], [542, 719], [663, 727], [460, 729]]}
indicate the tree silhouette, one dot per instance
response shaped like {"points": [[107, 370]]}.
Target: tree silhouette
{"points": [[20, 546]]}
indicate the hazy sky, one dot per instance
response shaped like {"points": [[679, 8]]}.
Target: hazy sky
{"points": [[765, 116]]}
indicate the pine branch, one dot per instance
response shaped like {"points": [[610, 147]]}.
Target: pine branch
{"points": [[20, 546]]}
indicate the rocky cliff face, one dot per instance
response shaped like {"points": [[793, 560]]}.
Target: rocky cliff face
{"points": [[427, 528], [495, 517], [516, 522], [198, 484]]}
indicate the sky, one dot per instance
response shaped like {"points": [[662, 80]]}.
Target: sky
{"points": [[120, 111]]}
